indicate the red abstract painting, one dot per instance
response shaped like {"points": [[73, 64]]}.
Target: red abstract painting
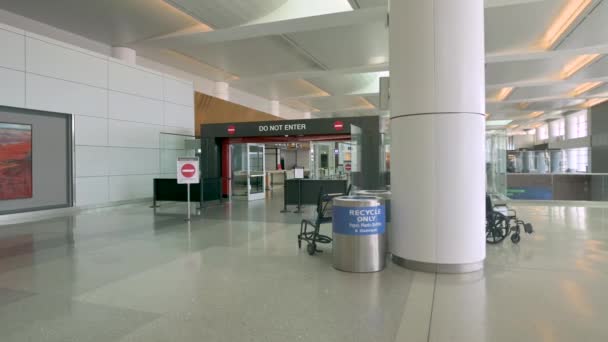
{"points": [[15, 161]]}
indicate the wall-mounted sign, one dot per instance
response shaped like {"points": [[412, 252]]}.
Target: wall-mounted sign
{"points": [[187, 171], [338, 125], [231, 129], [282, 127], [348, 167]]}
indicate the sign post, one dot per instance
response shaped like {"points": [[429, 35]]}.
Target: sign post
{"points": [[188, 173]]}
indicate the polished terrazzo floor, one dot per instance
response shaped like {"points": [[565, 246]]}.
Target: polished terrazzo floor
{"points": [[235, 274]]}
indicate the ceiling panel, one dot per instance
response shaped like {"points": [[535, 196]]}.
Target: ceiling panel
{"points": [[518, 27], [251, 57], [369, 3], [591, 31], [277, 90], [114, 22], [540, 69], [347, 46], [338, 102], [348, 83], [523, 93], [594, 70], [227, 13]]}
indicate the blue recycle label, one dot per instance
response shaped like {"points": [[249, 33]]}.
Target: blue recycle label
{"points": [[359, 220]]}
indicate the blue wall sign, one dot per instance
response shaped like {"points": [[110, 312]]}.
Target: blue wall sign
{"points": [[530, 193], [359, 220]]}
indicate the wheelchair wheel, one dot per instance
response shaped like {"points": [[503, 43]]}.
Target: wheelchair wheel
{"points": [[497, 227], [515, 238], [311, 248]]}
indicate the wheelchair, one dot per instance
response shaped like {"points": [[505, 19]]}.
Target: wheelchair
{"points": [[309, 230], [502, 222]]}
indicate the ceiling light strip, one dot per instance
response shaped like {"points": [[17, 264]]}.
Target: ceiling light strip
{"points": [[594, 102], [585, 87], [577, 64], [504, 93], [569, 13], [536, 114]]}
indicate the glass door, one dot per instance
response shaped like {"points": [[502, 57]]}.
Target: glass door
{"points": [[256, 172]]}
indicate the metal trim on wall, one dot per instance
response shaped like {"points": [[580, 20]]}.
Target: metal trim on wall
{"points": [[438, 268]]}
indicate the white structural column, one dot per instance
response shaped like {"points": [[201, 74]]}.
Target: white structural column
{"points": [[222, 90], [553, 127], [438, 126], [125, 54], [275, 108]]}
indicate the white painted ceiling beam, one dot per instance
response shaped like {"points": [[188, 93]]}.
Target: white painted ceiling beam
{"points": [[275, 28], [310, 74]]}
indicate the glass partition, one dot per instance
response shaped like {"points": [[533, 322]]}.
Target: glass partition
{"points": [[173, 146], [496, 163]]}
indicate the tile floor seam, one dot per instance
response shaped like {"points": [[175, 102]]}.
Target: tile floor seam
{"points": [[428, 336]]}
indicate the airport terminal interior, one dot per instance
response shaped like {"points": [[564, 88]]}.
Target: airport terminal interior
{"points": [[303, 170]]}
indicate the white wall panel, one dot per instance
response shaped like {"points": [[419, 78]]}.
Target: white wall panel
{"points": [[57, 61], [12, 87], [124, 188], [178, 130], [91, 161], [135, 108], [133, 161], [66, 97], [13, 50], [178, 92], [133, 134], [178, 115], [135, 81], [11, 29], [91, 190], [91, 130]]}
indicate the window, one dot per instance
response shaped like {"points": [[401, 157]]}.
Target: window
{"points": [[577, 124], [557, 129], [543, 132], [577, 159]]}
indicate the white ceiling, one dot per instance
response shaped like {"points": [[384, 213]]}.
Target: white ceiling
{"points": [[321, 56]]}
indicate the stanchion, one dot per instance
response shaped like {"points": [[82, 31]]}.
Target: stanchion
{"points": [[299, 210], [154, 204], [188, 219], [285, 210]]}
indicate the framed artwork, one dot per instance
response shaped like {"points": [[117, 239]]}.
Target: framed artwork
{"points": [[15, 161]]}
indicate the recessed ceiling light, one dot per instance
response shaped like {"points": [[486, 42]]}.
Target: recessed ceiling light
{"points": [[585, 87], [504, 93], [535, 114], [564, 20], [594, 102], [578, 63]]}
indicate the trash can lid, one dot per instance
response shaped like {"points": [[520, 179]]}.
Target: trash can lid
{"points": [[358, 201], [386, 194]]}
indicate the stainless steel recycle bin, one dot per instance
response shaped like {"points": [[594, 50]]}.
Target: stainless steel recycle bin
{"points": [[386, 196], [359, 233]]}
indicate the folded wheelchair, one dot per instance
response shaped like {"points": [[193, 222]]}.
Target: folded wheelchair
{"points": [[309, 229], [502, 222]]}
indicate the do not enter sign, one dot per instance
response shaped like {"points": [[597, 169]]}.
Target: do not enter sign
{"points": [[348, 167], [187, 171]]}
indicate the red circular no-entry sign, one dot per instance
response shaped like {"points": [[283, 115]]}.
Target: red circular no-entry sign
{"points": [[338, 125], [348, 167], [188, 170], [231, 129]]}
